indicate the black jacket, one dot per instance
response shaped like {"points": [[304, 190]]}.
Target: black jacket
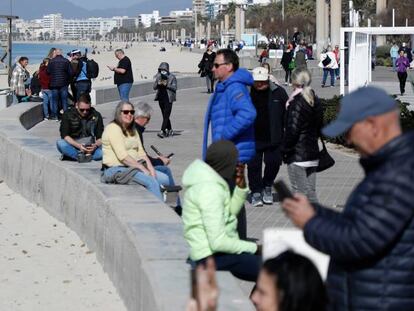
{"points": [[371, 243], [276, 103], [141, 130], [302, 128], [286, 59], [206, 63], [73, 126], [60, 72]]}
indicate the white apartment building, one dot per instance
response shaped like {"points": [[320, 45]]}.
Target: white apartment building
{"points": [[148, 19], [199, 6], [179, 13], [221, 5], [87, 28], [53, 24], [126, 22]]}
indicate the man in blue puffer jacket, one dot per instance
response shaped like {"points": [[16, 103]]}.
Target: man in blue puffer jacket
{"points": [[231, 112], [370, 243]]}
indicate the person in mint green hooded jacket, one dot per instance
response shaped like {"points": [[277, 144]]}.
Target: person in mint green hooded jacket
{"points": [[210, 211]]}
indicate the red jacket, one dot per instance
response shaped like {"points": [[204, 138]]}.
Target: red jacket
{"points": [[44, 77]]}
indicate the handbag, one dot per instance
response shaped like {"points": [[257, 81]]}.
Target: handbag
{"points": [[325, 159], [292, 64], [326, 61]]}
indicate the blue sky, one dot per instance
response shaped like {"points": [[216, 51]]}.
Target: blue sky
{"points": [[104, 4]]}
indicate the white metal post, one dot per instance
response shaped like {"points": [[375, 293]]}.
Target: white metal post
{"points": [[343, 61]]}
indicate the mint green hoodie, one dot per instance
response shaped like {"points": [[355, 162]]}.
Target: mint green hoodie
{"points": [[210, 214]]}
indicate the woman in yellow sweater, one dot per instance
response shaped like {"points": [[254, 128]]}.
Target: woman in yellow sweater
{"points": [[122, 150]]}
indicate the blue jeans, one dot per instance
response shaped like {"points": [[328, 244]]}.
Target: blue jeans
{"points": [[152, 184], [82, 87], [68, 150], [394, 60], [47, 100], [166, 170], [123, 90], [61, 93], [325, 76]]}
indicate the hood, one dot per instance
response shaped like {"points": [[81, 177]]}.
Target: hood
{"points": [[164, 66], [199, 172], [241, 75]]}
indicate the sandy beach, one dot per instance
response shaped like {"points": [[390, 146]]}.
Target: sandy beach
{"points": [[145, 58]]}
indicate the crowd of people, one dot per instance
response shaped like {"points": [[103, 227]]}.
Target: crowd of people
{"points": [[252, 120]]}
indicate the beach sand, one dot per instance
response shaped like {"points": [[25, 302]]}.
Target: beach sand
{"points": [[145, 58]]}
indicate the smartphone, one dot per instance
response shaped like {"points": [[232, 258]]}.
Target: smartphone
{"points": [[170, 155], [282, 190], [87, 145], [193, 280], [156, 150]]}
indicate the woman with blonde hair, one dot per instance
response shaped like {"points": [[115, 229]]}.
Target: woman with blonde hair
{"points": [[303, 122], [123, 152]]}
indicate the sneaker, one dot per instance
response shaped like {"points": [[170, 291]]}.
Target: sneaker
{"points": [[170, 133], [84, 158], [161, 134], [286, 83], [257, 199], [267, 195], [46, 119]]}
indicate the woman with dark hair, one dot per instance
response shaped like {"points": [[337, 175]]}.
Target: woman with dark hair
{"points": [[123, 151], [210, 212], [206, 67], [289, 282], [287, 64]]}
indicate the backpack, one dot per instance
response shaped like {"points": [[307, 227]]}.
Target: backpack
{"points": [[92, 69]]}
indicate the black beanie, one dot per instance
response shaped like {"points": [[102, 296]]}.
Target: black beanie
{"points": [[223, 156]]}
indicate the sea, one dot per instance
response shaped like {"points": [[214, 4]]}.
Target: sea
{"points": [[36, 52]]}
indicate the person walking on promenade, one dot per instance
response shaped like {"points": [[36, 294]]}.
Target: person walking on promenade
{"points": [[301, 57], [81, 132], [60, 73], [123, 76], [231, 113], [44, 79], [328, 64], [407, 52], [337, 54], [19, 78], [304, 119], [370, 242], [394, 55], [286, 63], [269, 99], [82, 80], [206, 67], [166, 86], [210, 210], [402, 64], [123, 153]]}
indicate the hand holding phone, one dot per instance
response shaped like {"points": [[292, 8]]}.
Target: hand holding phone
{"points": [[282, 190]]}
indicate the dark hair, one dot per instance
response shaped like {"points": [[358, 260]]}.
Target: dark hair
{"points": [[85, 98], [298, 282], [118, 119], [23, 58], [229, 57]]}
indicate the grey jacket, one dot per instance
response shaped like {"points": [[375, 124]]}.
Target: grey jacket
{"points": [[171, 82], [123, 178]]}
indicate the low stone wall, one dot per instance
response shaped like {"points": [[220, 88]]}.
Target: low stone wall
{"points": [[137, 239]]}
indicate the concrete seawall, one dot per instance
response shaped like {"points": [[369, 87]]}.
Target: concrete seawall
{"points": [[137, 239]]}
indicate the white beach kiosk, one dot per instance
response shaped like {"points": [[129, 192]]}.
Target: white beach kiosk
{"points": [[359, 53]]}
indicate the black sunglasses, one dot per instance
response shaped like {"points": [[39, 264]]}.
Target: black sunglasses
{"points": [[218, 65], [131, 112], [84, 110]]}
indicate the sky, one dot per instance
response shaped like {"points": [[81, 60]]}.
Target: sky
{"points": [[105, 4]]}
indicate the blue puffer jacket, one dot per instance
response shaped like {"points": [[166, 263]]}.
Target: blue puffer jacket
{"points": [[232, 115], [371, 243]]}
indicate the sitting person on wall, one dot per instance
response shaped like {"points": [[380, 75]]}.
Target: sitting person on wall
{"points": [[210, 212], [81, 132], [123, 153]]}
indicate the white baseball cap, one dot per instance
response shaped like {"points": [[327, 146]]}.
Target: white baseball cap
{"points": [[260, 74]]}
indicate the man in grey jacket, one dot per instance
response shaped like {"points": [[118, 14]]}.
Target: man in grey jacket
{"points": [[166, 86]]}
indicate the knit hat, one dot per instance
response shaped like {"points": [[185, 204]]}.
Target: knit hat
{"points": [[222, 156]]}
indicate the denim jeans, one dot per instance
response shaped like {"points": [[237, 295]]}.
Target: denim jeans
{"points": [[394, 60], [244, 266], [71, 152], [47, 100], [82, 87], [61, 93], [303, 180], [325, 76], [166, 170], [123, 90], [152, 184]]}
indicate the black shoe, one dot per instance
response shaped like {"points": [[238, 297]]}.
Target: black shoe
{"points": [[161, 134], [208, 92], [170, 133]]}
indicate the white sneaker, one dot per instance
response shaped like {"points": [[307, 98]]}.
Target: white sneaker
{"points": [[257, 199], [267, 195]]}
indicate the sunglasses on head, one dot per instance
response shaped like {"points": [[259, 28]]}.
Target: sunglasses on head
{"points": [[131, 112], [218, 65], [84, 110]]}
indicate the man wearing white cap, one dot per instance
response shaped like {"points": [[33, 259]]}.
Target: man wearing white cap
{"points": [[371, 242], [269, 100]]}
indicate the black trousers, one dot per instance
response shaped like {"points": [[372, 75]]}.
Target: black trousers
{"points": [[402, 76], [166, 108], [272, 159]]}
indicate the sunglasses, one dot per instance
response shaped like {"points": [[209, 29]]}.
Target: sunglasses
{"points": [[131, 112], [84, 110], [218, 65]]}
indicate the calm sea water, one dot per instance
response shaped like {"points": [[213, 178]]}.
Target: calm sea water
{"points": [[37, 52]]}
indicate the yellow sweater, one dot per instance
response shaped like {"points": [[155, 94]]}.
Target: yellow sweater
{"points": [[116, 146]]}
